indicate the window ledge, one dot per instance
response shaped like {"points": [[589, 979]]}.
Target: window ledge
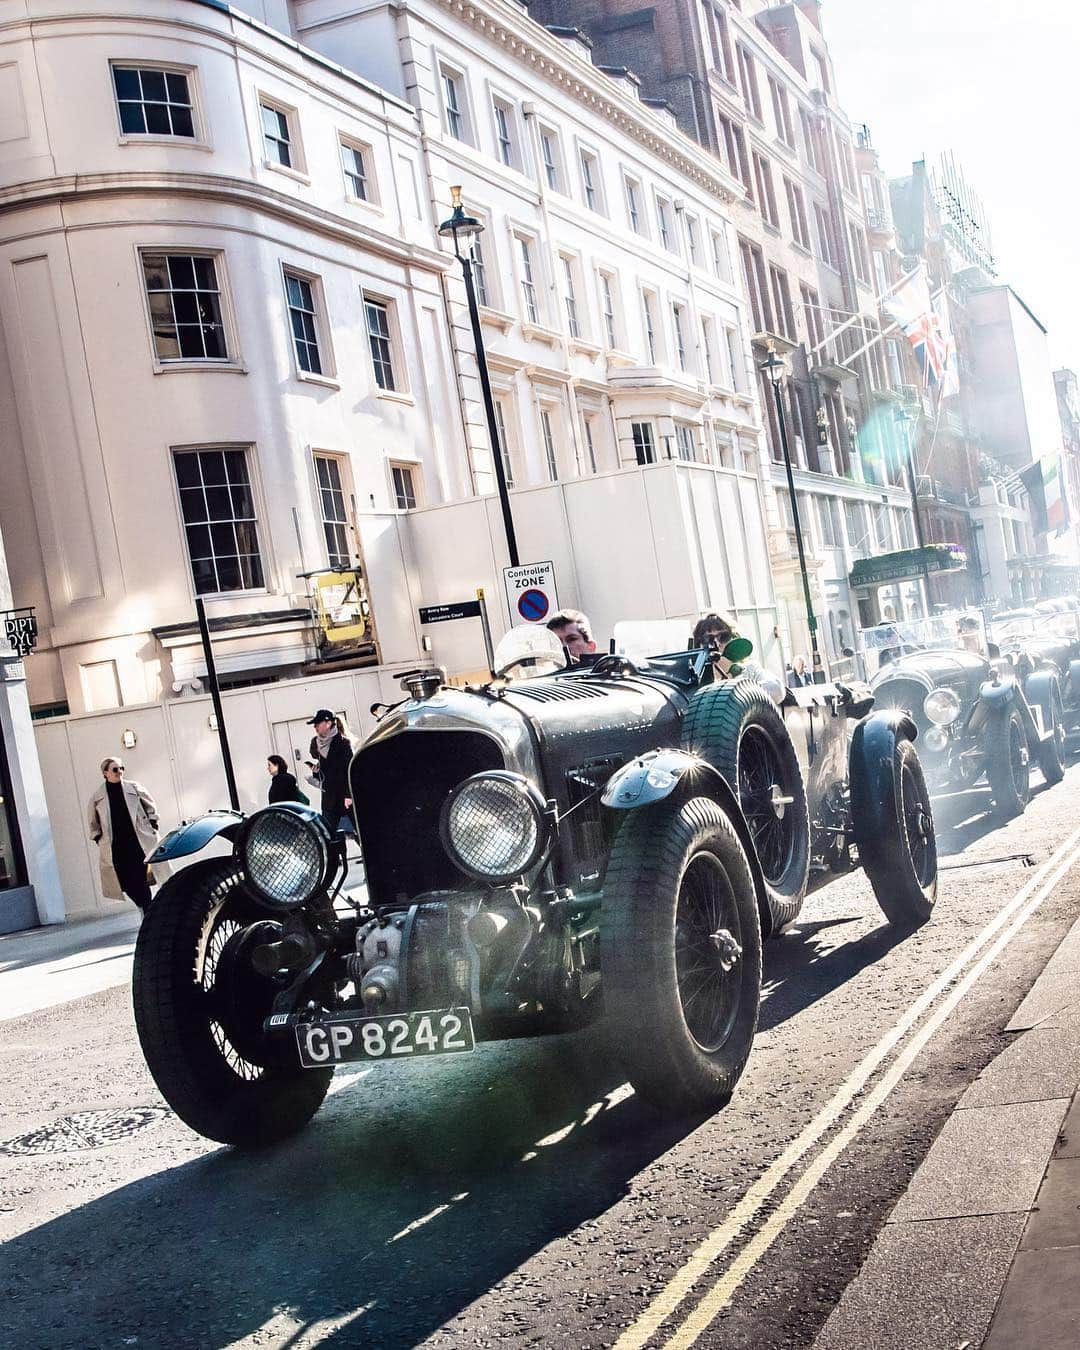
{"points": [[801, 248], [394, 396], [496, 318], [546, 335], [585, 348], [187, 142], [770, 228], [366, 202], [296, 174], [325, 381], [223, 367]]}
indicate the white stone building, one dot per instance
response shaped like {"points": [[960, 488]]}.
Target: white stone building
{"points": [[233, 350]]}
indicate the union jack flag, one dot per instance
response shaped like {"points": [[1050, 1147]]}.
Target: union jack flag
{"points": [[925, 324]]}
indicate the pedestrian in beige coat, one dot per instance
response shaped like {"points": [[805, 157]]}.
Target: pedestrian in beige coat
{"points": [[123, 822]]}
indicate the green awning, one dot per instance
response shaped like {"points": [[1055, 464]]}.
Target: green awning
{"points": [[907, 564]]}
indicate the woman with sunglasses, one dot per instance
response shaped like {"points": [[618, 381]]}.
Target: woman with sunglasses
{"points": [[123, 822]]}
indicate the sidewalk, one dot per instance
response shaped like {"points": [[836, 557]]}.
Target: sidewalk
{"points": [[43, 967], [983, 1249]]}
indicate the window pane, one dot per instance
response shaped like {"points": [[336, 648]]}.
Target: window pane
{"points": [[132, 122], [153, 85], [157, 120], [177, 87], [126, 82]]}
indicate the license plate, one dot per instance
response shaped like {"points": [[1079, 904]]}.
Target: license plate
{"points": [[445, 1031]]}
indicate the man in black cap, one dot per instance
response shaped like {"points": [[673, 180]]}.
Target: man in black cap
{"points": [[331, 751]]}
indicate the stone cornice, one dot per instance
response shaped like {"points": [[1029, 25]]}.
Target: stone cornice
{"points": [[530, 42], [218, 187]]}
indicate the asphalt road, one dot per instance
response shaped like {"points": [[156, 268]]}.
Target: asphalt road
{"points": [[523, 1196]]}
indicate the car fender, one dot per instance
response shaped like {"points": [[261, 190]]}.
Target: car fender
{"points": [[1074, 681], [655, 776], [192, 835], [870, 765]]}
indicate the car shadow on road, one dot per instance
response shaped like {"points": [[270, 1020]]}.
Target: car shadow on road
{"points": [[964, 817], [410, 1196]]}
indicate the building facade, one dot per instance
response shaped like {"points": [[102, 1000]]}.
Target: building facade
{"points": [[236, 354], [753, 83]]}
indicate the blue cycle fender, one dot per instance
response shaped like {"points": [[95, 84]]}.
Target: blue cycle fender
{"points": [[194, 835], [871, 768]]}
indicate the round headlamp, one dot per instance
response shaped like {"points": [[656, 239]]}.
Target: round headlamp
{"points": [[493, 826], [936, 739], [941, 706], [285, 852]]}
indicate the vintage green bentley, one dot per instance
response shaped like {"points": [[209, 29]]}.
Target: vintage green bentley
{"points": [[606, 843]]}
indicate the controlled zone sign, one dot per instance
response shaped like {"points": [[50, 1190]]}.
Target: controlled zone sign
{"points": [[530, 592]]}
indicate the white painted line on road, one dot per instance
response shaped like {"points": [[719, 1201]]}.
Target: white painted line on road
{"points": [[1031, 895], [427, 1218]]}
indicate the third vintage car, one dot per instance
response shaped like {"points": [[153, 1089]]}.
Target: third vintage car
{"points": [[605, 844], [982, 713]]}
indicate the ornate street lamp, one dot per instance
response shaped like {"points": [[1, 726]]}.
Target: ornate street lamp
{"points": [[774, 368], [461, 226], [905, 423]]}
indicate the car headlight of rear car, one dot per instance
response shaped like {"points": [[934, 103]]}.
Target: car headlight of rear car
{"points": [[285, 851], [936, 738], [942, 707], [494, 826]]}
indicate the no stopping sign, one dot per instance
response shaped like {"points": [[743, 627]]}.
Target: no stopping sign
{"points": [[530, 592]]}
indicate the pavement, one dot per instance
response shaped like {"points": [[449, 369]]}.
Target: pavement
{"points": [[981, 1251]]}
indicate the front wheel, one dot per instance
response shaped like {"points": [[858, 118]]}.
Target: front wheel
{"points": [[1008, 765], [199, 1012], [680, 952], [897, 844]]}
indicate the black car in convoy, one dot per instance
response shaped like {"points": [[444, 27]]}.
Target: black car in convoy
{"points": [[980, 712], [1034, 641], [603, 842]]}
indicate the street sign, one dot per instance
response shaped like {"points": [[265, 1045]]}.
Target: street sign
{"points": [[460, 609], [530, 592]]}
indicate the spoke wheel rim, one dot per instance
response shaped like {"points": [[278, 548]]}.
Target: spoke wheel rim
{"points": [[918, 827], [221, 930], [772, 826], [708, 952]]}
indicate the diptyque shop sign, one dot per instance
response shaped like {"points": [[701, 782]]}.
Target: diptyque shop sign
{"points": [[20, 629]]}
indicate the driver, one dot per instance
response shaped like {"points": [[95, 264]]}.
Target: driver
{"points": [[715, 631], [574, 631]]}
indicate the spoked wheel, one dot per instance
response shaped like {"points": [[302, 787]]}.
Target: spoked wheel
{"points": [[765, 803], [200, 1007], [738, 729], [680, 954], [708, 946], [1009, 765], [894, 829]]}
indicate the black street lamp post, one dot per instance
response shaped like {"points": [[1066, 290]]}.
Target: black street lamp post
{"points": [[905, 422], [774, 368], [461, 226]]}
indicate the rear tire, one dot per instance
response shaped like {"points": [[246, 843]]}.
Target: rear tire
{"points": [[1008, 766], [737, 728], [897, 844], [201, 1035], [680, 954]]}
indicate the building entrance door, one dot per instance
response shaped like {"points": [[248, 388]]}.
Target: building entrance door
{"points": [[17, 909]]}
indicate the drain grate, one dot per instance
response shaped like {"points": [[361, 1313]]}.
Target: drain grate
{"points": [[85, 1130]]}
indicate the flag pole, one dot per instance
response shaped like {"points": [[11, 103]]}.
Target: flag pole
{"points": [[858, 318]]}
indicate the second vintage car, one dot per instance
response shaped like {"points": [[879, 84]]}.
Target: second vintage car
{"points": [[608, 843], [981, 713]]}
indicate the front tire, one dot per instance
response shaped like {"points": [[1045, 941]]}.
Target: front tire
{"points": [[1008, 766], [897, 844], [199, 1009], [680, 953]]}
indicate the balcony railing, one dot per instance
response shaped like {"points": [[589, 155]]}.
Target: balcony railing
{"points": [[878, 219]]}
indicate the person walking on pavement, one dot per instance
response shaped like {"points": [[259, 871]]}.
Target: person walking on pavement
{"points": [[123, 822], [331, 752], [283, 784]]}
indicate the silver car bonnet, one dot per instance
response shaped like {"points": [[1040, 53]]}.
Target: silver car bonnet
{"points": [[455, 710]]}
